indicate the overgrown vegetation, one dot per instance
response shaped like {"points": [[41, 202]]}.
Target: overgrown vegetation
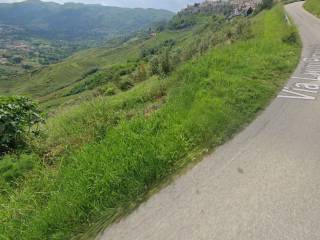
{"points": [[98, 160], [35, 34], [18, 116], [123, 64], [313, 6]]}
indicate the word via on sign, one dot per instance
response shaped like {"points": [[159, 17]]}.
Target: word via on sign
{"points": [[310, 86], [301, 91]]}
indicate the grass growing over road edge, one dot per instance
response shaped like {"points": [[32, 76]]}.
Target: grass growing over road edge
{"points": [[313, 6], [209, 99]]}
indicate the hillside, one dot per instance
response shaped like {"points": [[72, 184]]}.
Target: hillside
{"points": [[90, 73], [158, 103], [35, 34], [313, 6], [94, 72], [80, 22]]}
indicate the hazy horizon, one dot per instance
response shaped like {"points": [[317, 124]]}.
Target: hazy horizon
{"points": [[172, 5]]}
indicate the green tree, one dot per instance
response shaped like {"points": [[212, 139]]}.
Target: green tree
{"points": [[18, 115], [155, 66], [165, 62]]}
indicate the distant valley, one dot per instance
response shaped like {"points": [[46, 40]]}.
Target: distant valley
{"points": [[77, 22], [35, 33]]}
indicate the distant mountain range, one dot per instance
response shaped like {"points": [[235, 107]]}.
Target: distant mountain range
{"points": [[173, 5], [75, 21]]}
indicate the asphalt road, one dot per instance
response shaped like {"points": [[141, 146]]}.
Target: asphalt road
{"points": [[262, 185]]}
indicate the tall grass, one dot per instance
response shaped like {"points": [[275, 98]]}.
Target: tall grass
{"points": [[209, 99], [313, 6]]}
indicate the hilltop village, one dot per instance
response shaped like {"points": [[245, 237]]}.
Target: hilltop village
{"points": [[237, 7]]}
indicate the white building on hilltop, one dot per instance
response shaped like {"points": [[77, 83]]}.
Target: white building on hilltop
{"points": [[239, 7]]}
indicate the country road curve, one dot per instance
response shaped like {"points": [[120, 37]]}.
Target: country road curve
{"points": [[262, 185]]}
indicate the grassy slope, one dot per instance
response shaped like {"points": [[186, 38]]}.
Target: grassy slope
{"points": [[51, 84], [313, 6], [69, 22], [209, 99], [56, 76]]}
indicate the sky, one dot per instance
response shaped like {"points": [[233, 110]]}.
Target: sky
{"points": [[172, 5]]}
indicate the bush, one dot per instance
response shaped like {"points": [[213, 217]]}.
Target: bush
{"points": [[146, 52], [140, 74], [291, 38], [242, 30], [155, 66], [102, 77], [18, 115], [110, 90], [182, 21], [125, 84], [161, 65]]}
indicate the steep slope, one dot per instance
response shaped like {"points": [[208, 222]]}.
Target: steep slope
{"points": [[70, 81], [97, 161], [35, 34], [262, 185]]}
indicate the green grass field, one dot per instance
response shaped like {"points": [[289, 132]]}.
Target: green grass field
{"points": [[101, 158], [313, 6]]}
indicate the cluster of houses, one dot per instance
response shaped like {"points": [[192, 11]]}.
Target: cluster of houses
{"points": [[7, 50], [9, 46], [245, 7], [206, 6], [236, 7]]}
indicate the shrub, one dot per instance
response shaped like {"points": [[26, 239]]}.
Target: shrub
{"points": [[146, 52], [155, 66], [291, 38], [101, 77], [125, 84], [18, 115], [182, 21], [165, 62], [161, 65], [141, 73], [110, 90]]}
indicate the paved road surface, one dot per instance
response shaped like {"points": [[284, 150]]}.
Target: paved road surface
{"points": [[263, 185]]}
